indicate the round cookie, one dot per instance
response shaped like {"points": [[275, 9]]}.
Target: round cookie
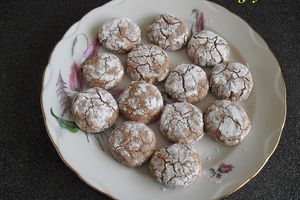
{"points": [[141, 101], [148, 63], [231, 81], [227, 122], [103, 70], [168, 32], [119, 35], [206, 48], [94, 110], [175, 166], [132, 143], [187, 82], [182, 122]]}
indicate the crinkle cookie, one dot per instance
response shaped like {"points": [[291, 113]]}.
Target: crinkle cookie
{"points": [[168, 32], [176, 166], [227, 122], [187, 82], [103, 70], [141, 101], [94, 110], [148, 63], [231, 81], [132, 143], [206, 48], [182, 122], [119, 35]]}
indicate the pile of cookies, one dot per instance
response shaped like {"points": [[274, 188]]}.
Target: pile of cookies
{"points": [[133, 143]]}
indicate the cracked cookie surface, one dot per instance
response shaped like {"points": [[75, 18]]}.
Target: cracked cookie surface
{"points": [[94, 110], [103, 70], [132, 143], [148, 63], [206, 48], [187, 82], [175, 166], [141, 101], [119, 35], [231, 81], [182, 122], [227, 122], [168, 32]]}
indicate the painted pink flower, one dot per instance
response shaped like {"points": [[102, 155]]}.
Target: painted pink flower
{"points": [[91, 50], [199, 20], [224, 168], [75, 79]]}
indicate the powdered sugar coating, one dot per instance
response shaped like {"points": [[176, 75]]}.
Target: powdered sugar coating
{"points": [[141, 101], [231, 81], [94, 110], [176, 166], [148, 63], [119, 35], [227, 122], [187, 82], [103, 70], [206, 48], [168, 32], [182, 122], [132, 143]]}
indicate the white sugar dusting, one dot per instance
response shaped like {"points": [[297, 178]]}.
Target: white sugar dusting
{"points": [[207, 48], [182, 122], [168, 32], [93, 108], [148, 62], [120, 34], [184, 82], [231, 81], [133, 142], [145, 98], [107, 69], [230, 119], [176, 166]]}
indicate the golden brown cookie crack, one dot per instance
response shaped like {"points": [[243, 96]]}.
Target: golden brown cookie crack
{"points": [[231, 81], [141, 101], [168, 32], [215, 45], [148, 63], [103, 70], [175, 166], [185, 84], [100, 97], [182, 122], [132, 143], [94, 110], [227, 122], [119, 35], [208, 49]]}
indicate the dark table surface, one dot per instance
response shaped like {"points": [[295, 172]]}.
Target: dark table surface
{"points": [[30, 168]]}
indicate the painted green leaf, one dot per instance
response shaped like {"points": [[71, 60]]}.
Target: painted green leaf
{"points": [[66, 124], [194, 11], [213, 172], [191, 32]]}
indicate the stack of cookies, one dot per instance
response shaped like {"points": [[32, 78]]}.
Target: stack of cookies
{"points": [[133, 143]]}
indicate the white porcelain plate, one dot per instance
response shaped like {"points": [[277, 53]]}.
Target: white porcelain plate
{"points": [[225, 168]]}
